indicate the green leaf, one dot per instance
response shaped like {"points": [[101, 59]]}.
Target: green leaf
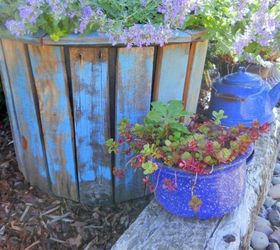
{"points": [[112, 146], [148, 150], [149, 167], [218, 116], [223, 155], [186, 156]]}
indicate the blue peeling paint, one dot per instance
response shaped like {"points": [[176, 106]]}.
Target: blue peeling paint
{"points": [[134, 83], [56, 117], [91, 107]]}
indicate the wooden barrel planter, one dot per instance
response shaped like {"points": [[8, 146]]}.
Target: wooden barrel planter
{"points": [[65, 99]]}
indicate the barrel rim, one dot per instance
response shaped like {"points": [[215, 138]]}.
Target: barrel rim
{"points": [[96, 38]]}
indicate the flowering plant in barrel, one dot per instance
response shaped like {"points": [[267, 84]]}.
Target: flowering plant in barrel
{"points": [[196, 168], [236, 28]]}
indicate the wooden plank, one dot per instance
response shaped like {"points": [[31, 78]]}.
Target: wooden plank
{"points": [[90, 81], [155, 228], [12, 113], [98, 39], [195, 71], [171, 70], [22, 88], [48, 68], [30, 39], [133, 95], [197, 34]]}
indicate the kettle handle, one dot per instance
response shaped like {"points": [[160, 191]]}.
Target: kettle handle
{"points": [[230, 97]]}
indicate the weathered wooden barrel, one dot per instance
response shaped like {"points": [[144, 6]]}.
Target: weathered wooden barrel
{"points": [[65, 99]]}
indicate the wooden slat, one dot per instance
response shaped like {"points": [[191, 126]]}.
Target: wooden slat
{"points": [[12, 113], [22, 88], [90, 81], [50, 79], [195, 73], [197, 34], [30, 39], [171, 69], [133, 95]]}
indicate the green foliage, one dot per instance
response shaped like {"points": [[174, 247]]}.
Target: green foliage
{"points": [[219, 17], [112, 146], [7, 10], [129, 12], [193, 146], [218, 116], [149, 167]]}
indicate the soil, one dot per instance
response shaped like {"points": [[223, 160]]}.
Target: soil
{"points": [[31, 219]]}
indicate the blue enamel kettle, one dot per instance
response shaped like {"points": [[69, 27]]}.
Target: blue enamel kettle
{"points": [[244, 97]]}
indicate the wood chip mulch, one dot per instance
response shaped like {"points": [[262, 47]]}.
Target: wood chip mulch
{"points": [[30, 219]]}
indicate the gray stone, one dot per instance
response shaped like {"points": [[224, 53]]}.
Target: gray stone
{"points": [[262, 221], [274, 217], [273, 246], [275, 237], [269, 202], [277, 169], [19, 185], [274, 192], [264, 228], [276, 206], [259, 241], [275, 180]]}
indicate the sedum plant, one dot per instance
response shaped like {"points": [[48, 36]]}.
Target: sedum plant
{"points": [[237, 28], [197, 147]]}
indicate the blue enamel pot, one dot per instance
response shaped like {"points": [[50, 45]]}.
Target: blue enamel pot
{"points": [[219, 192]]}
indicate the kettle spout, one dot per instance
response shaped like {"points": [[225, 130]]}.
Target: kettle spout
{"points": [[275, 95]]}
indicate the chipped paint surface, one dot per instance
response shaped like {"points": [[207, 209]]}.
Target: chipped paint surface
{"points": [[171, 72], [68, 152], [48, 68], [133, 95], [90, 84], [26, 114], [12, 113]]}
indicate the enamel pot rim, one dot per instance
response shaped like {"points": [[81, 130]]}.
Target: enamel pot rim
{"points": [[217, 168]]}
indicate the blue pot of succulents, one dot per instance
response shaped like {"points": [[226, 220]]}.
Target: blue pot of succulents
{"points": [[244, 97], [202, 196], [196, 169]]}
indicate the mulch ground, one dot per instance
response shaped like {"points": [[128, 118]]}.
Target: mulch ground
{"points": [[31, 219]]}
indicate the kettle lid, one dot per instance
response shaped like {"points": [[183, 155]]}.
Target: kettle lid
{"points": [[240, 83], [241, 77]]}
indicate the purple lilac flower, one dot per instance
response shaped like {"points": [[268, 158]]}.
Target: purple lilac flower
{"points": [[175, 11], [141, 35], [240, 8], [58, 8], [17, 28], [29, 13], [262, 29], [89, 15]]}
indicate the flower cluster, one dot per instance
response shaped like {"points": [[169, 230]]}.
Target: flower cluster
{"points": [[141, 35], [197, 147], [175, 11], [262, 28]]}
